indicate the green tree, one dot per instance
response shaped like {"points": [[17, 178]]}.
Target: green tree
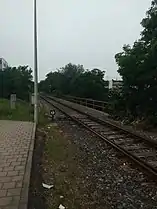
{"points": [[74, 80], [17, 80], [138, 68], [91, 84]]}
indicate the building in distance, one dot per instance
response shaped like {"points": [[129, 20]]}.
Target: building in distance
{"points": [[116, 84], [3, 64]]}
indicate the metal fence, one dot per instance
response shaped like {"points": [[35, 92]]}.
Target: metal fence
{"points": [[95, 104]]}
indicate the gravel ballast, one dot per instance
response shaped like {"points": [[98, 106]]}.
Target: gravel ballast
{"points": [[105, 116], [112, 180], [108, 179]]}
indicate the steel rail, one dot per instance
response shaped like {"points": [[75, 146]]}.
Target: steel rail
{"points": [[130, 155], [108, 123]]}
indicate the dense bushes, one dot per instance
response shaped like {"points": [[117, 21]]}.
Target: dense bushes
{"points": [[76, 81], [138, 68], [16, 81]]}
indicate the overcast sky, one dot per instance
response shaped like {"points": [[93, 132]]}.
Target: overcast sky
{"points": [[88, 32]]}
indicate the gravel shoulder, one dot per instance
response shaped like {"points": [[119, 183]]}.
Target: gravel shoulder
{"points": [[87, 173]]}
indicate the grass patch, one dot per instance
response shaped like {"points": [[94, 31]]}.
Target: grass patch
{"points": [[61, 169], [43, 118], [23, 111], [61, 166]]}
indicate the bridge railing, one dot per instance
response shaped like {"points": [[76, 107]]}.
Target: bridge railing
{"points": [[95, 104]]}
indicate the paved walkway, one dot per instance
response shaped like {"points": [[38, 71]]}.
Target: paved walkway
{"points": [[16, 149]]}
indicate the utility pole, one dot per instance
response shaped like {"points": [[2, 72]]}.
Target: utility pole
{"points": [[35, 65]]}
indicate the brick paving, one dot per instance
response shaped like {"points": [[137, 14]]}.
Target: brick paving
{"points": [[16, 149]]}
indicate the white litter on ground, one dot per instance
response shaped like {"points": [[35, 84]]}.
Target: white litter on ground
{"points": [[47, 186], [61, 206]]}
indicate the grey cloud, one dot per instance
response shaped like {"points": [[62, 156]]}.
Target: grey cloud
{"points": [[88, 32]]}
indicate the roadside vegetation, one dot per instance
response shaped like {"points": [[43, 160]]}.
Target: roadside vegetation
{"points": [[16, 80], [137, 65], [22, 112], [74, 80]]}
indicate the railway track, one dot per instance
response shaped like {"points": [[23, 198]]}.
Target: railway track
{"points": [[142, 151]]}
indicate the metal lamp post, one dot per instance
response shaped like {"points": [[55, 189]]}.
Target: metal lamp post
{"points": [[35, 65]]}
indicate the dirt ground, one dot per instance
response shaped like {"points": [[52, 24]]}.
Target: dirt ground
{"points": [[36, 191], [56, 162]]}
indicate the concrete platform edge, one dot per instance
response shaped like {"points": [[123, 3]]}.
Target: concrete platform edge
{"points": [[23, 204]]}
